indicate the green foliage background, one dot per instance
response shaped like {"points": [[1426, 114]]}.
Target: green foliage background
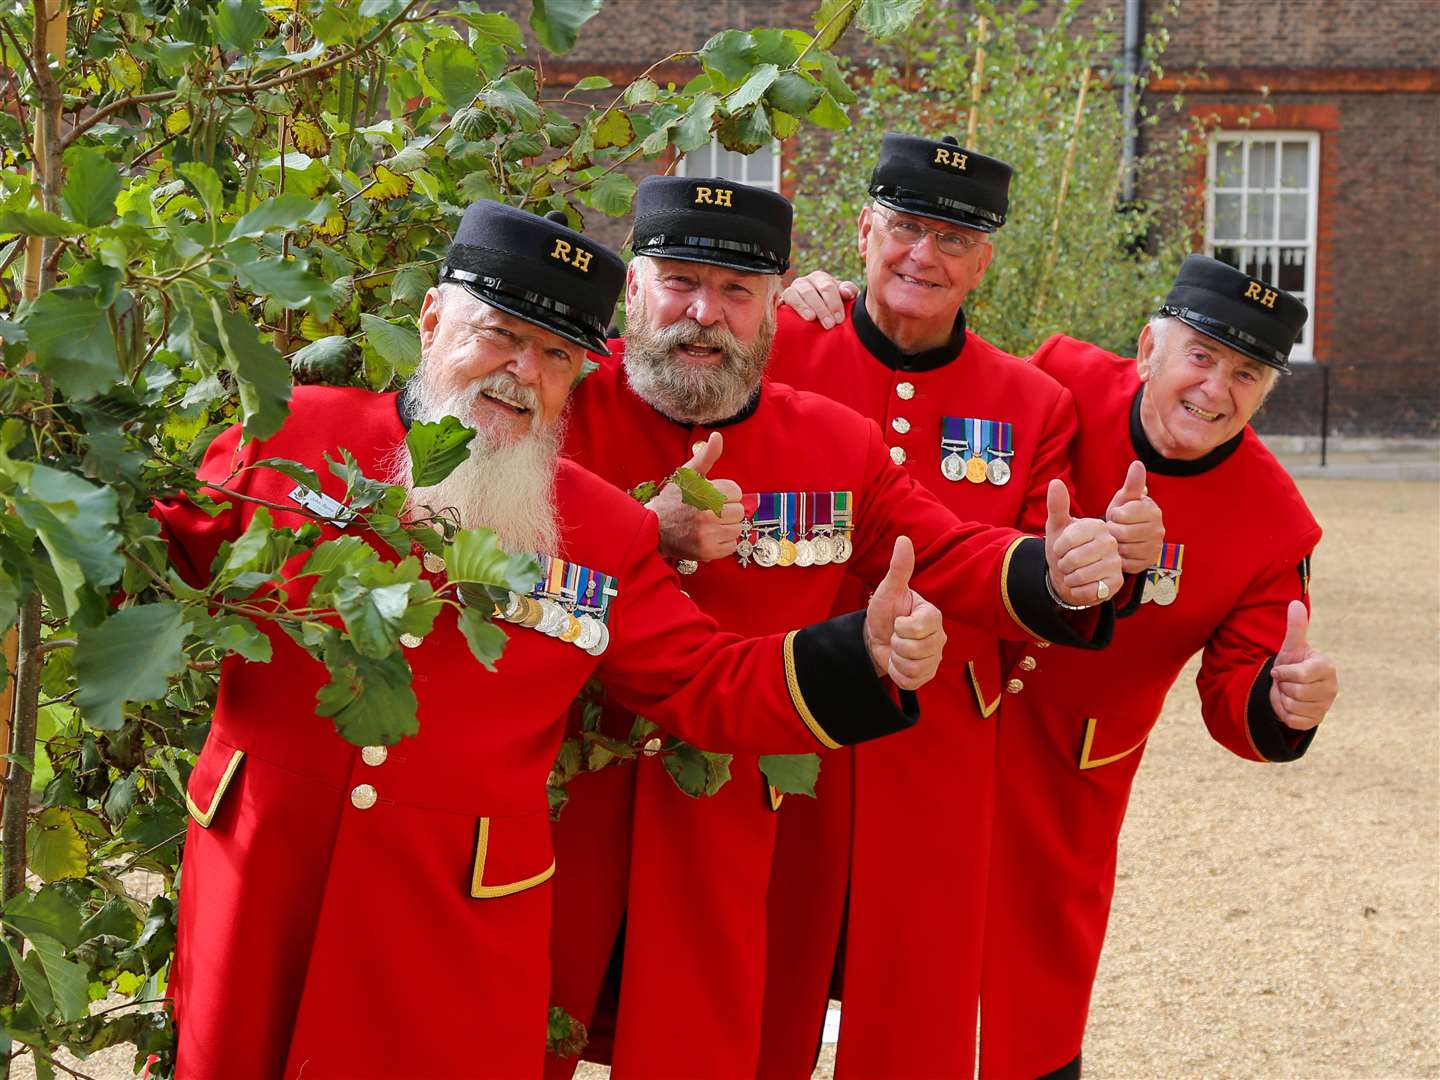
{"points": [[1110, 270]]}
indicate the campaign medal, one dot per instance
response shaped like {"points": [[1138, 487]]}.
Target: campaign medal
{"points": [[804, 546], [1162, 582], [843, 547], [997, 470], [787, 528], [767, 519], [975, 465], [570, 603], [824, 544], [952, 446], [746, 547]]}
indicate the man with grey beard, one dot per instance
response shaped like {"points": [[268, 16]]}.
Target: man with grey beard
{"points": [[812, 495], [315, 869]]}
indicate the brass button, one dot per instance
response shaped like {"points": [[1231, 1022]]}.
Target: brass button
{"points": [[409, 640], [374, 755], [1027, 664], [905, 391], [363, 797], [434, 562], [1014, 686], [696, 447], [897, 455], [652, 747], [900, 424]]}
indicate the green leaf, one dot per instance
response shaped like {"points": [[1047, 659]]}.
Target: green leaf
{"points": [[75, 521], [49, 912], [753, 88], [301, 474], [497, 27], [829, 114], [371, 701], [453, 70], [37, 223], [511, 94], [886, 18], [752, 131], [614, 129], [697, 491], [73, 342], [794, 93], [591, 82], [564, 1035], [791, 774], [374, 617], [557, 23], [120, 799], [261, 371], [54, 847], [833, 81], [288, 283], [475, 557], [693, 131], [330, 361], [282, 212], [69, 982], [206, 184], [397, 344], [730, 55], [91, 184], [832, 19], [9, 600], [640, 91], [613, 194], [240, 23], [696, 772], [436, 449], [486, 640], [236, 634], [128, 657]]}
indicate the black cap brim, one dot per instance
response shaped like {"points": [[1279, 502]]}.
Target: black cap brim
{"points": [[731, 260], [536, 315], [921, 207], [1225, 335]]}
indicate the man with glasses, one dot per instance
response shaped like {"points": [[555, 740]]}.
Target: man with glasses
{"points": [[896, 846]]}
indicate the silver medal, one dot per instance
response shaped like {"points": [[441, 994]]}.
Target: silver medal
{"points": [[804, 553], [603, 642], [998, 472], [1167, 588], [767, 551], [843, 547], [824, 550], [952, 467]]}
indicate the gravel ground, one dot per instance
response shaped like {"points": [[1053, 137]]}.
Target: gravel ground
{"points": [[1284, 922]]}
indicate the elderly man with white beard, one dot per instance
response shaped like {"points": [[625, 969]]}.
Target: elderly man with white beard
{"points": [[812, 495], [346, 911]]}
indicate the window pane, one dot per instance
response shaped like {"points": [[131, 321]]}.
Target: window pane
{"points": [[1260, 263], [1227, 164], [1293, 211], [762, 165], [1227, 217], [1292, 269], [1228, 255], [1260, 217], [1295, 165], [1262, 164]]}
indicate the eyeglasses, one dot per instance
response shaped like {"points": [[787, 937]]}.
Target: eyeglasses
{"points": [[911, 233]]}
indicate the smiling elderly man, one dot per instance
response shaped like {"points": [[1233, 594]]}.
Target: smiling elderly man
{"points": [[384, 912], [1232, 583]]}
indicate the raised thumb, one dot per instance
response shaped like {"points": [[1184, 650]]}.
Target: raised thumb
{"points": [[1057, 506], [1297, 622], [703, 460], [1134, 487], [902, 565]]}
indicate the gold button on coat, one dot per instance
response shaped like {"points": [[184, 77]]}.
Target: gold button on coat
{"points": [[1027, 664], [900, 424], [374, 755], [905, 390], [363, 797], [1014, 686], [897, 455]]}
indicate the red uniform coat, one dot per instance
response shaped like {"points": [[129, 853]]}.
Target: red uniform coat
{"points": [[913, 828], [325, 936], [690, 875], [1071, 740]]}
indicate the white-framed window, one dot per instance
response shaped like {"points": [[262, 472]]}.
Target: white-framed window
{"points": [[760, 169], [1261, 195]]}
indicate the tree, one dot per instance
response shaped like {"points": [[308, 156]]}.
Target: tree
{"points": [[1045, 98], [201, 202]]}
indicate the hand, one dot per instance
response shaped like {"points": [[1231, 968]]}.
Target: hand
{"points": [[903, 631], [1136, 523], [1303, 681], [687, 532], [1080, 552], [818, 295]]}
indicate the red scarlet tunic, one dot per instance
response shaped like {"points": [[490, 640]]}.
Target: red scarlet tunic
{"points": [[326, 934], [1071, 741], [693, 872], [914, 832]]}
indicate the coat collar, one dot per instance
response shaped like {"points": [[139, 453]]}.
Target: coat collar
{"points": [[889, 354]]}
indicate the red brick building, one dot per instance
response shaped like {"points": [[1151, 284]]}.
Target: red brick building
{"points": [[1322, 171]]}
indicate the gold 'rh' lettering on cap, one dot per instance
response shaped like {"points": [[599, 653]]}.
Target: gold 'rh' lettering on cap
{"points": [[571, 255], [1261, 295], [713, 196], [953, 158]]}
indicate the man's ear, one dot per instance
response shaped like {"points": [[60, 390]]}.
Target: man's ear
{"points": [[1143, 352], [632, 281], [866, 225], [429, 318]]}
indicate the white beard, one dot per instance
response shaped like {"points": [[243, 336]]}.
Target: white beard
{"points": [[507, 486]]}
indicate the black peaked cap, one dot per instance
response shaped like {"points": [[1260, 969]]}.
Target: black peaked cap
{"points": [[538, 270], [715, 221], [1249, 315], [941, 179]]}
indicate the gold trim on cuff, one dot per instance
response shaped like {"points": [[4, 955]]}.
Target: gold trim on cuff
{"points": [[792, 682], [1005, 587], [1086, 762], [776, 797], [204, 817], [490, 892], [986, 711]]}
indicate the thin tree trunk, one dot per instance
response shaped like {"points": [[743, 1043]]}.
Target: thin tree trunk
{"points": [[1054, 249], [975, 78]]}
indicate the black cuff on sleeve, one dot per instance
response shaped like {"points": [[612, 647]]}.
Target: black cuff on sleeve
{"points": [[1028, 601], [1275, 740], [834, 688]]}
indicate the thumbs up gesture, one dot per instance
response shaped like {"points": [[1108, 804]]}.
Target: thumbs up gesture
{"points": [[1136, 523], [687, 532], [903, 631], [1303, 683], [1083, 557]]}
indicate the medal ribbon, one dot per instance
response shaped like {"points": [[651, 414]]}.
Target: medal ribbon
{"points": [[802, 529], [977, 445], [1171, 556], [823, 507], [953, 431], [1006, 438]]}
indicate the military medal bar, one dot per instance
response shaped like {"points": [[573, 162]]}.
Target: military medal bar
{"points": [[795, 528]]}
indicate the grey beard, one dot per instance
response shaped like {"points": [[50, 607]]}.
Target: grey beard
{"points": [[505, 486], [691, 392]]}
